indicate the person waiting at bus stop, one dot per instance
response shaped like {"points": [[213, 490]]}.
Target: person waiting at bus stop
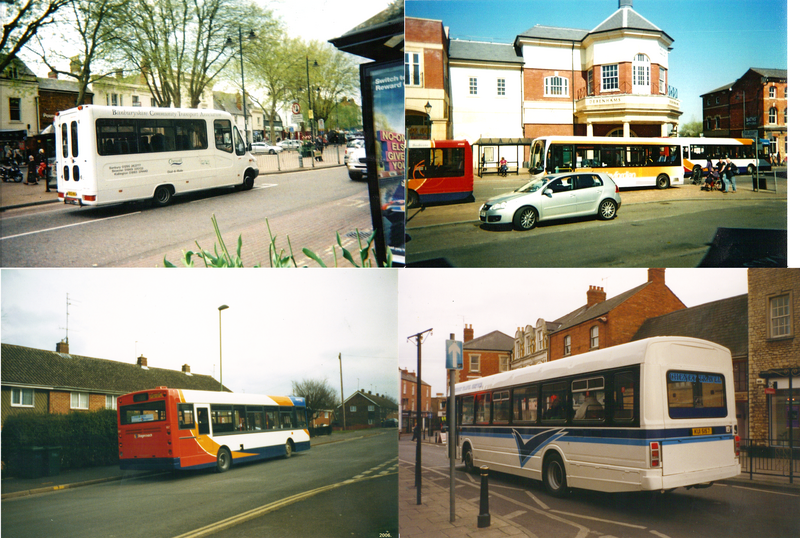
{"points": [[730, 173]]}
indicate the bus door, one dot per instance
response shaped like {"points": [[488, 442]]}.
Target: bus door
{"points": [[203, 426]]}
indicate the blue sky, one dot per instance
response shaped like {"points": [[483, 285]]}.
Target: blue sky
{"points": [[716, 41]]}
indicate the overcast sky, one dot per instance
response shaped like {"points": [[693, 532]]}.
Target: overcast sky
{"points": [[282, 326], [504, 299]]}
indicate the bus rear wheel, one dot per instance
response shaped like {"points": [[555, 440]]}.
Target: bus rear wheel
{"points": [[289, 448], [468, 462], [163, 195], [413, 199], [554, 475], [223, 460], [662, 181]]}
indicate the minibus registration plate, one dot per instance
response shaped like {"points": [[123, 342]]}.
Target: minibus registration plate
{"points": [[701, 431]]}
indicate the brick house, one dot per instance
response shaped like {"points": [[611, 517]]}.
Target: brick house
{"points": [[754, 106], [486, 355], [408, 401], [427, 80], [56, 95], [723, 322], [602, 322], [774, 351], [365, 410], [35, 380]]}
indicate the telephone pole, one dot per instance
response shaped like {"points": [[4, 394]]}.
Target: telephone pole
{"points": [[418, 468]]}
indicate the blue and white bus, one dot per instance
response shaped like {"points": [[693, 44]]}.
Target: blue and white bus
{"points": [[654, 414]]}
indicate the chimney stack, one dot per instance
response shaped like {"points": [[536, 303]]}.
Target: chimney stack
{"points": [[52, 74], [656, 276], [62, 347], [141, 361], [185, 369], [469, 334], [595, 295]]}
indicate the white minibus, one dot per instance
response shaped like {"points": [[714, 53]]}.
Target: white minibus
{"points": [[108, 155]]}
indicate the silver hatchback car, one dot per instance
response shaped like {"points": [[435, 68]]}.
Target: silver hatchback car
{"points": [[556, 196]]}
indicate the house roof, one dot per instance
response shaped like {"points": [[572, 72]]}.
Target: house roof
{"points": [[56, 85], [626, 18], [554, 33], [232, 103], [724, 322], [586, 313], [485, 52], [380, 401], [770, 73], [411, 377], [27, 366], [494, 341]]}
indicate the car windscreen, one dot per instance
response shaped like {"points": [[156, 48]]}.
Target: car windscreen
{"points": [[534, 185]]}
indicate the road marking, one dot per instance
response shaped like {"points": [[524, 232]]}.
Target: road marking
{"points": [[271, 507], [659, 534], [571, 514], [512, 515], [766, 491], [68, 226], [540, 503]]}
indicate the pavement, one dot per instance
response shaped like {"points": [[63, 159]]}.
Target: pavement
{"points": [[431, 518], [13, 487]]}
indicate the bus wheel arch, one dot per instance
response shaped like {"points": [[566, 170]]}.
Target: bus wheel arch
{"points": [[413, 198], [751, 169], [662, 181], [163, 195], [554, 474], [223, 459], [468, 458], [288, 448]]}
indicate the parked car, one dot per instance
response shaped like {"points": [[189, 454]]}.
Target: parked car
{"points": [[351, 147], [357, 164], [263, 147], [290, 144], [557, 196]]}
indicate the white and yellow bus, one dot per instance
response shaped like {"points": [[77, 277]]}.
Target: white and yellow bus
{"points": [[631, 162], [747, 154], [650, 415], [108, 155]]}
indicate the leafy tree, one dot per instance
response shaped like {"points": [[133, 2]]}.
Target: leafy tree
{"points": [[93, 21], [335, 76], [319, 395], [691, 128], [25, 19]]}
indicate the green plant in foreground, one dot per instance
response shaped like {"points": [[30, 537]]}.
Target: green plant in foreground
{"points": [[277, 258]]}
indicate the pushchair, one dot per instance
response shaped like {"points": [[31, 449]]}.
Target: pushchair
{"points": [[713, 181]]}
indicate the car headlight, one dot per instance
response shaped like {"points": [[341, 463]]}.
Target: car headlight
{"points": [[501, 205]]}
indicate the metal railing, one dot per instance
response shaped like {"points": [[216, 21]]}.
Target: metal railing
{"points": [[291, 159], [770, 457]]}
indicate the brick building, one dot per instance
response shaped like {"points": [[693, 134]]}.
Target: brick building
{"points": [[427, 80], [365, 410], [35, 380], [602, 322], [754, 106], [56, 95], [408, 401], [486, 355], [774, 351]]}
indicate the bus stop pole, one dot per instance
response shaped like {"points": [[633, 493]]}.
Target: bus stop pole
{"points": [[451, 445]]}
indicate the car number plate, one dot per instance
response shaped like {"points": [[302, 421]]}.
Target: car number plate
{"points": [[701, 431], [72, 194]]}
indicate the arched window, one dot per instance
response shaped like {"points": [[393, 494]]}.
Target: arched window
{"points": [[556, 86], [772, 92], [773, 115], [641, 74]]}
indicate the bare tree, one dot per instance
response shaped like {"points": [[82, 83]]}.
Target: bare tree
{"points": [[319, 395], [27, 17]]}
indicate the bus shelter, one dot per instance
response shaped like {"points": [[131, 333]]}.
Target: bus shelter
{"points": [[491, 150]]}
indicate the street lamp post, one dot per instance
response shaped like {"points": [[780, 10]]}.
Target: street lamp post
{"points": [[310, 105], [229, 42], [221, 308]]}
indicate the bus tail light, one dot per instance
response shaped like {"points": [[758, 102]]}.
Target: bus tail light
{"points": [[737, 445], [655, 454]]}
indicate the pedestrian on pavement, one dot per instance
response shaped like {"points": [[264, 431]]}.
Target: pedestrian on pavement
{"points": [[721, 172], [416, 433], [730, 172], [41, 169], [31, 177], [18, 156]]}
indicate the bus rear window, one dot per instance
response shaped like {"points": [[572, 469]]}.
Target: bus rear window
{"points": [[696, 395], [143, 412]]}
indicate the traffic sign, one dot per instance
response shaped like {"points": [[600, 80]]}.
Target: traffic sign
{"points": [[454, 351], [295, 108]]}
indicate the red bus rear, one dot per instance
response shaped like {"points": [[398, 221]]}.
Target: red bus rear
{"points": [[439, 171]]}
